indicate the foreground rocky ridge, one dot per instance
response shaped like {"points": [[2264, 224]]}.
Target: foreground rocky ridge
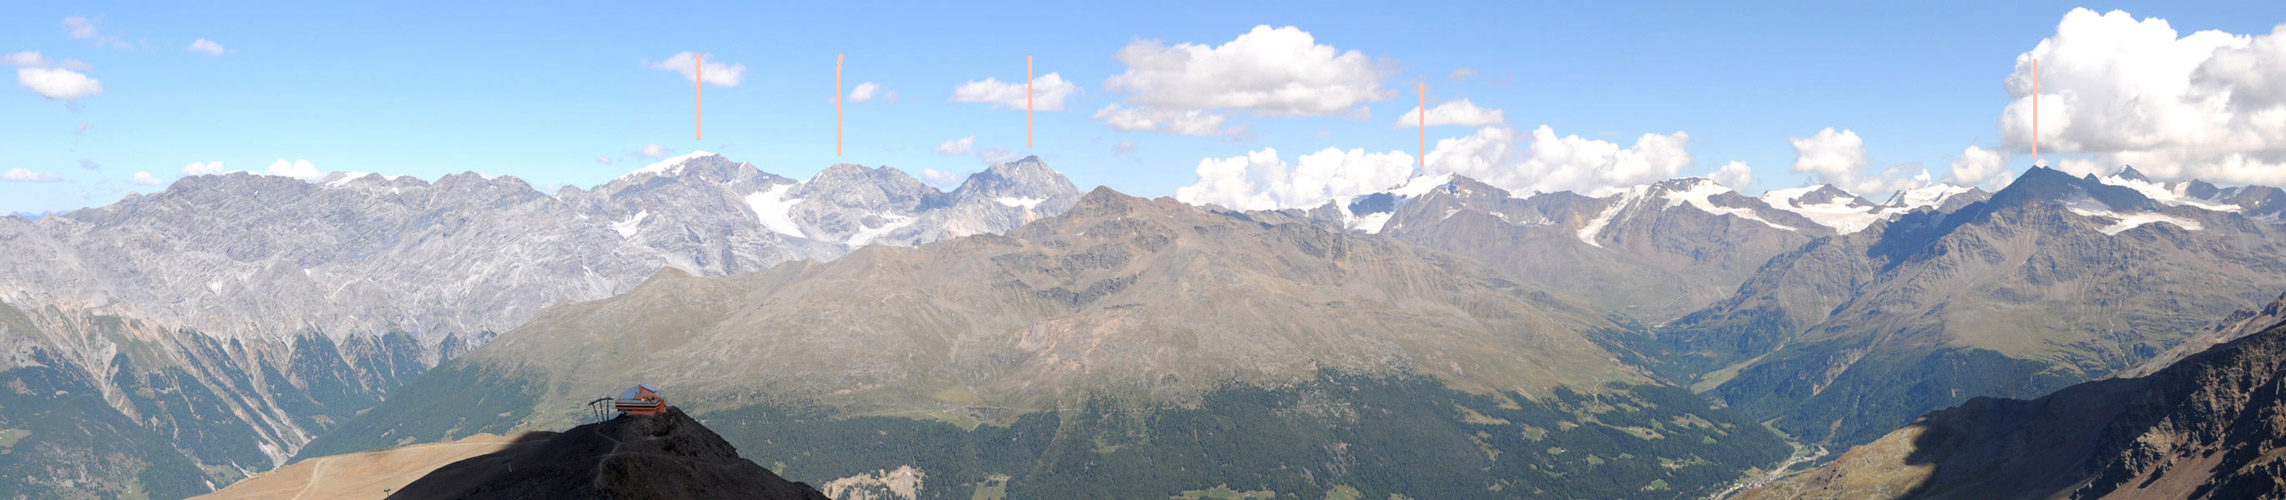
{"points": [[2212, 425]]}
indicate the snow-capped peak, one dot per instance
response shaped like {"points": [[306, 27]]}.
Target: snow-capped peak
{"points": [[340, 178], [1924, 196], [1420, 185], [670, 165]]}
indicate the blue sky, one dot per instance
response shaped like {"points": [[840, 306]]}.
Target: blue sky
{"points": [[541, 91]]}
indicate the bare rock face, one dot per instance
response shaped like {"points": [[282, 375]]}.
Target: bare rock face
{"points": [[664, 456], [2212, 425]]}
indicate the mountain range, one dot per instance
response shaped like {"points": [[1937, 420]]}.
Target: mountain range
{"points": [[1017, 333]]}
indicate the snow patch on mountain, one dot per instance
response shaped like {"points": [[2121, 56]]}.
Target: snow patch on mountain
{"points": [[774, 210], [346, 177], [1371, 223], [1026, 203], [1851, 213], [2171, 194], [866, 236], [627, 228], [2122, 222], [1595, 227]]}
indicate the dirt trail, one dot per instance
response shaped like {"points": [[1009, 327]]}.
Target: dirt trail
{"points": [[368, 474]]}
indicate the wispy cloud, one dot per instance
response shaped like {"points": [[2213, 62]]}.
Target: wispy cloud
{"points": [[27, 175], [205, 46], [715, 72], [1047, 93]]}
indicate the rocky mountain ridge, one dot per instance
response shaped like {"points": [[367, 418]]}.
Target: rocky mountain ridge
{"points": [[2206, 426]]}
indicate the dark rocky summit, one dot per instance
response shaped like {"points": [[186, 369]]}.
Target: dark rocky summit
{"points": [[668, 455]]}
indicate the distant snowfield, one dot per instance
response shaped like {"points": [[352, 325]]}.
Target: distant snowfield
{"points": [[2177, 195], [2123, 222], [1701, 195]]}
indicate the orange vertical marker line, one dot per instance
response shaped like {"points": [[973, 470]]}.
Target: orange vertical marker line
{"points": [[1424, 159], [1027, 101], [2035, 111], [698, 93], [837, 103]]}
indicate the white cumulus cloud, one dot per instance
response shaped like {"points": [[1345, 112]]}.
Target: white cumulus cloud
{"points": [[1734, 175], [2209, 105], [1976, 166], [205, 46], [58, 83], [1262, 180], [715, 72], [1458, 112], [1048, 93], [1839, 158], [1568, 163], [203, 168], [1267, 71], [145, 178], [603, 160], [654, 151], [26, 175], [299, 169]]}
